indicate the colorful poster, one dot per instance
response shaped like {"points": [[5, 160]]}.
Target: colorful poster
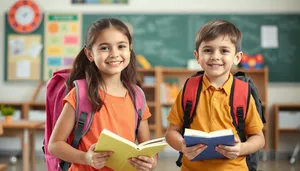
{"points": [[24, 57], [62, 41], [99, 1]]}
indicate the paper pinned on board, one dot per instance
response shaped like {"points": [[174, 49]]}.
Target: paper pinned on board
{"points": [[23, 69], [17, 47], [35, 50], [269, 36]]}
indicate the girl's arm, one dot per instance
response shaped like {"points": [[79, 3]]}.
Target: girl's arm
{"points": [[144, 135], [143, 162], [57, 144]]}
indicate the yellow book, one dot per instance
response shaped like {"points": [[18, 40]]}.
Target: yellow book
{"points": [[124, 149]]}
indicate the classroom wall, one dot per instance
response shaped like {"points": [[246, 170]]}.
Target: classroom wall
{"points": [[283, 92]]}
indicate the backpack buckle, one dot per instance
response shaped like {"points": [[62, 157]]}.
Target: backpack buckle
{"points": [[82, 118], [240, 112]]}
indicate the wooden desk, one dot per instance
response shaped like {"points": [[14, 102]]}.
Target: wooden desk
{"points": [[26, 130], [3, 167], [276, 109]]}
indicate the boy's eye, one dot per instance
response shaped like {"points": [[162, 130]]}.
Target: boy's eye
{"points": [[225, 51], [207, 50]]}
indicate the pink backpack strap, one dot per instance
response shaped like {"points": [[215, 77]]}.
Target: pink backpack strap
{"points": [[83, 115], [83, 104], [139, 101]]}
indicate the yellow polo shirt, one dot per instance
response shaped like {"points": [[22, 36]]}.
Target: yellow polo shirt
{"points": [[213, 113]]}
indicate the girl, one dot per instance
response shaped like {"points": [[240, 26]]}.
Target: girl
{"points": [[106, 60]]}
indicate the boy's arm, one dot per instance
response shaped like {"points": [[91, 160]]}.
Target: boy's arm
{"points": [[253, 128], [176, 141], [255, 140], [175, 118], [174, 137], [253, 144]]}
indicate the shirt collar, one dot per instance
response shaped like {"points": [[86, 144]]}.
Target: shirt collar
{"points": [[226, 87]]}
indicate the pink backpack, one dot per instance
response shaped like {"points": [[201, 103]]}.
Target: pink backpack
{"points": [[56, 90]]}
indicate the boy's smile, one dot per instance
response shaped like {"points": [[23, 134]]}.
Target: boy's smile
{"points": [[217, 56]]}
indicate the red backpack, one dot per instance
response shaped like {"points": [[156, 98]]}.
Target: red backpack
{"points": [[242, 88], [56, 90]]}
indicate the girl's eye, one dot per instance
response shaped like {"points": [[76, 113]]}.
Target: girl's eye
{"points": [[122, 46], [104, 48]]}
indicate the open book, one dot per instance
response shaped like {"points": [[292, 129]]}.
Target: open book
{"points": [[124, 149], [212, 139]]}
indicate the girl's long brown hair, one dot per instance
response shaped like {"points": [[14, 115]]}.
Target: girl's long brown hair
{"points": [[84, 69]]}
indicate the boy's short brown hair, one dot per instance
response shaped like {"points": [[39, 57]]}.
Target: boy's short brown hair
{"points": [[215, 28]]}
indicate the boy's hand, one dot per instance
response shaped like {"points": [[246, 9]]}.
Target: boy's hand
{"points": [[143, 163], [96, 159], [231, 152], [192, 152]]}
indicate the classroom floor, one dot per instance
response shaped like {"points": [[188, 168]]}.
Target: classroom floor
{"points": [[168, 164]]}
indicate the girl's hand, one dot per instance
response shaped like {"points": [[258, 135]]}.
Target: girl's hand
{"points": [[96, 159], [143, 163], [231, 152], [193, 151]]}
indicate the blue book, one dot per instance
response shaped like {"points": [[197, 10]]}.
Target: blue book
{"points": [[212, 139]]}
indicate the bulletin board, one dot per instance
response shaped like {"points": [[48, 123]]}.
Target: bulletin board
{"points": [[23, 54], [62, 41]]}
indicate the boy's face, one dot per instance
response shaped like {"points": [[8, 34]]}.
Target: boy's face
{"points": [[217, 56]]}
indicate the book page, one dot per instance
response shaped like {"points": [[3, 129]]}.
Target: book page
{"points": [[149, 151], [197, 133], [117, 137], [220, 133], [158, 140], [121, 147], [192, 132]]}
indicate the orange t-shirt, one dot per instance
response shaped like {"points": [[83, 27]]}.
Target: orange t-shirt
{"points": [[213, 113], [117, 115]]}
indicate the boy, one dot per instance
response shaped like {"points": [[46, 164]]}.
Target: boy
{"points": [[218, 47]]}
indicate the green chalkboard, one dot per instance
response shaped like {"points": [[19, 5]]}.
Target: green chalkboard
{"points": [[168, 39]]}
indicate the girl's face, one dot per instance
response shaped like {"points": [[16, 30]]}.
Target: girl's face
{"points": [[110, 52]]}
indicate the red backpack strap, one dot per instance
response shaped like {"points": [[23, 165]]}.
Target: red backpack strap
{"points": [[190, 97], [239, 101]]}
